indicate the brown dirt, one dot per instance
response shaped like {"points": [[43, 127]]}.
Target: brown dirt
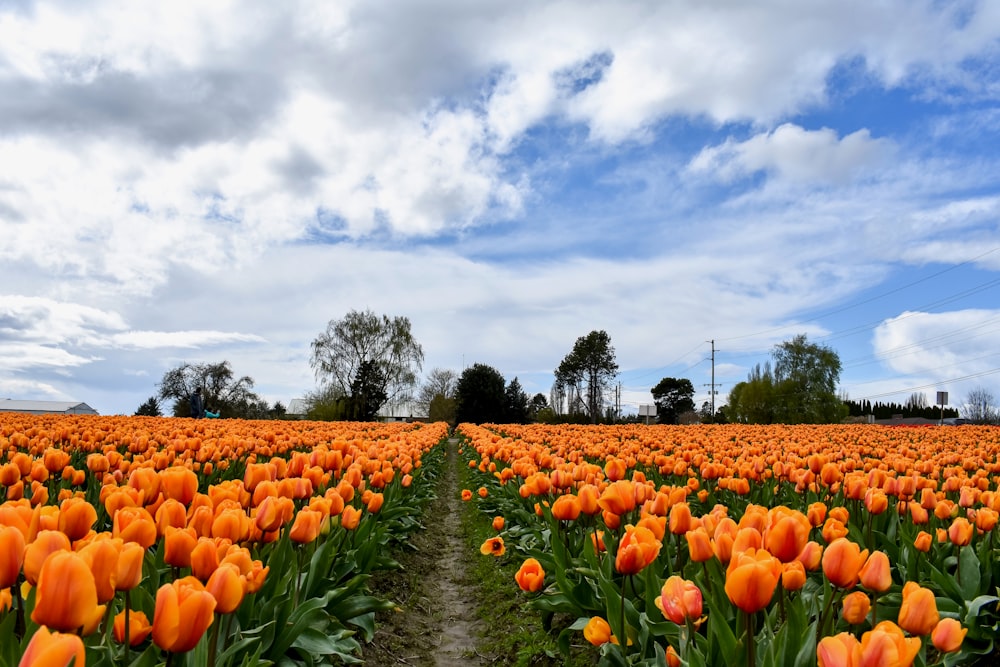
{"points": [[434, 624]]}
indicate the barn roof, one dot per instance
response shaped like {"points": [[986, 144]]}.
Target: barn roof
{"points": [[46, 407]]}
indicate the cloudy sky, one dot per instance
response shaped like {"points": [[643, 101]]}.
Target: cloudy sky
{"points": [[199, 182]]}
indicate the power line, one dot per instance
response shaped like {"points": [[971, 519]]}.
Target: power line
{"points": [[928, 386]]}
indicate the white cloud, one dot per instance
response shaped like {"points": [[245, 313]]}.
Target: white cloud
{"points": [[793, 153]]}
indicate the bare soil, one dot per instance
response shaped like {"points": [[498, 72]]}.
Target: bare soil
{"points": [[435, 623]]}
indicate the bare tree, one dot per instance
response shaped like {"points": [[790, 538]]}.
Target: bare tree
{"points": [[980, 407], [439, 382], [916, 401]]}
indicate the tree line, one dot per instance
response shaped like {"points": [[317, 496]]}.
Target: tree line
{"points": [[364, 362]]}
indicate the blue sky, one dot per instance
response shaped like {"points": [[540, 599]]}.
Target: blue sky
{"points": [[195, 182]]}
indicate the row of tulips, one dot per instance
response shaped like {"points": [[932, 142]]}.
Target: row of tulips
{"points": [[836, 545], [149, 541]]}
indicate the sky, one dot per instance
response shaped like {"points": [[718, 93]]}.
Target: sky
{"points": [[193, 182]]}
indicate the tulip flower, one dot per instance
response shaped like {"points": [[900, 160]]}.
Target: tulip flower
{"points": [[680, 518], [855, 607], [885, 644], [843, 650], [597, 631], [923, 541], [948, 635], [876, 573], [53, 649], [66, 596], [178, 543], [699, 545], [179, 483], [128, 573], [960, 532], [466, 495], [350, 517], [11, 555], [918, 613], [530, 576], [184, 610], [637, 549], [228, 587], [76, 518], [135, 524], [102, 559], [842, 561], [618, 498], [786, 538], [493, 546], [306, 527], [680, 600], [37, 552], [204, 558], [793, 575], [139, 627], [566, 508], [498, 523], [751, 579]]}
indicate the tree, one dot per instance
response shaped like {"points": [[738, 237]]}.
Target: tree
{"points": [[151, 408], [806, 376], [980, 407], [480, 396], [916, 402], [586, 373], [221, 390], [537, 403], [753, 401], [673, 396], [364, 352], [515, 404], [440, 382]]}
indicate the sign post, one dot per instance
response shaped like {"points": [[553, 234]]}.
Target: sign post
{"points": [[942, 400]]}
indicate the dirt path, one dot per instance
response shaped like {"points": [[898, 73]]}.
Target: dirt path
{"points": [[435, 625]]}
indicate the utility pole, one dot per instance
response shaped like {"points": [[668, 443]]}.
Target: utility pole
{"points": [[712, 387]]}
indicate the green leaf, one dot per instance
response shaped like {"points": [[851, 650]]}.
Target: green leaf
{"points": [[968, 573]]}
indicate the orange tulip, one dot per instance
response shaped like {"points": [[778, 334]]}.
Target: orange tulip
{"points": [[498, 523], [618, 498], [138, 627], [833, 529], [918, 614], [786, 538], [66, 596], [816, 514], [597, 631], [566, 508], [350, 517], [876, 573], [843, 650], [306, 527], [842, 561], [699, 545], [170, 513], [493, 546], [960, 532], [37, 552], [11, 555], [637, 549], [530, 576], [374, 503], [793, 575], [680, 518], [128, 573], [184, 610], [178, 543], [588, 495], [76, 518], [48, 649], [923, 541], [228, 587], [811, 556], [466, 494], [680, 600], [135, 524], [948, 635], [751, 578], [855, 607], [885, 644], [179, 483], [101, 557], [204, 558]]}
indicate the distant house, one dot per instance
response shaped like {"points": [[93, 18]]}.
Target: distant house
{"points": [[47, 407], [297, 407]]}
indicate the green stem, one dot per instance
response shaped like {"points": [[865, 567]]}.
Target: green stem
{"points": [[751, 642], [128, 636], [623, 641], [19, 628], [214, 641]]}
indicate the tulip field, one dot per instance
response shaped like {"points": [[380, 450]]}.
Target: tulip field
{"points": [[163, 541], [840, 546], [150, 541]]}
